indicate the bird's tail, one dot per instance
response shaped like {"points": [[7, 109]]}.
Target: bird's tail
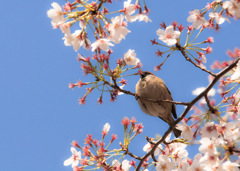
{"points": [[177, 132]]}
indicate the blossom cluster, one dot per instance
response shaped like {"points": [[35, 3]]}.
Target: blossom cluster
{"points": [[95, 153], [94, 16], [93, 21], [213, 126], [217, 12]]}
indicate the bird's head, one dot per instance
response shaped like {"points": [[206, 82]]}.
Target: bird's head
{"points": [[145, 73]]}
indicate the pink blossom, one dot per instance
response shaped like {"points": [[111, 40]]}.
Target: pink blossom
{"points": [[187, 132], [164, 163], [106, 128], [233, 7], [218, 17], [129, 9], [208, 145], [169, 36], [103, 44], [209, 130], [197, 19], [74, 159], [117, 29], [148, 147], [56, 15], [124, 166], [130, 57], [229, 166]]}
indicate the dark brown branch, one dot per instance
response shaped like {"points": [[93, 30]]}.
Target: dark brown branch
{"points": [[195, 100], [115, 86], [169, 101], [129, 153], [209, 105], [182, 50]]}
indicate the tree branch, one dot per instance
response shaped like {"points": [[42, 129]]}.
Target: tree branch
{"points": [[182, 50], [209, 87], [115, 86], [129, 153], [209, 105]]}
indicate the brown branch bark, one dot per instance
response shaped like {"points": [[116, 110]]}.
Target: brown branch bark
{"points": [[115, 86], [214, 81], [129, 153], [209, 105], [182, 50]]}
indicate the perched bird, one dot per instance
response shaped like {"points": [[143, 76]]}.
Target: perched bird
{"points": [[152, 87]]}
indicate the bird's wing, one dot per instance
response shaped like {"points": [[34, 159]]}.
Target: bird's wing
{"points": [[174, 113]]}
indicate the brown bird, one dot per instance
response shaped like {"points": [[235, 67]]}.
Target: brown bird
{"points": [[152, 87]]}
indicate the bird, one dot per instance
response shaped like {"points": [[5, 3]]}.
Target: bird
{"points": [[150, 87]]}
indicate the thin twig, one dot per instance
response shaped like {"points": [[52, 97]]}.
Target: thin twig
{"points": [[115, 86], [182, 50], [195, 100], [129, 153]]}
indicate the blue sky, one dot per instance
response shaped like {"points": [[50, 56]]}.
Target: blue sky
{"points": [[40, 115]]}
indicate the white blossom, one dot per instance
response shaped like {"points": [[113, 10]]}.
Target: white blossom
{"points": [[143, 17], [103, 44], [228, 166], [75, 41], [148, 147], [169, 36], [233, 7], [236, 73], [208, 145], [117, 29], [209, 130], [130, 57], [74, 159], [187, 132], [129, 9], [106, 128], [125, 164], [195, 166], [196, 19], [56, 14], [218, 17], [164, 163], [209, 161]]}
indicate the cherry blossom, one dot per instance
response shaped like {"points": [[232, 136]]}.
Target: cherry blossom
{"points": [[129, 9], [74, 159], [117, 29], [164, 163], [195, 166], [228, 166], [208, 145], [103, 44], [76, 41], [233, 7], [106, 128], [130, 57], [209, 161], [218, 17], [149, 146], [125, 166], [143, 17], [236, 74], [197, 19], [187, 132], [209, 130], [55, 14], [169, 36]]}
